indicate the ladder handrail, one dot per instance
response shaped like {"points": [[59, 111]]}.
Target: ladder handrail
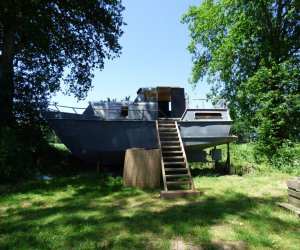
{"points": [[161, 158], [184, 156]]}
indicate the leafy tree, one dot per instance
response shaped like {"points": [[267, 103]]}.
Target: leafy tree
{"points": [[43, 43], [250, 53]]}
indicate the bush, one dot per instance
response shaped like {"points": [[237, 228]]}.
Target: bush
{"points": [[16, 155], [287, 158]]}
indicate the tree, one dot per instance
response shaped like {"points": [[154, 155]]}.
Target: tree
{"points": [[43, 43], [250, 53]]}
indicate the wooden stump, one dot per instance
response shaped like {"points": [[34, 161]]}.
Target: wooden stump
{"points": [[142, 168]]}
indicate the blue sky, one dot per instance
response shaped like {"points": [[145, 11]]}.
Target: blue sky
{"points": [[154, 53]]}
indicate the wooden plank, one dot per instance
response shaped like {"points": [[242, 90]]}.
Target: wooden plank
{"points": [[171, 152], [185, 158], [169, 137], [161, 158], [167, 129], [176, 169], [167, 132], [174, 163], [294, 201], [177, 175], [166, 125], [293, 184], [172, 157], [294, 193], [142, 168], [289, 207]]}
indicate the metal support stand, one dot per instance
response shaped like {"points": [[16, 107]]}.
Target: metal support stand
{"points": [[98, 165], [228, 158], [216, 162]]}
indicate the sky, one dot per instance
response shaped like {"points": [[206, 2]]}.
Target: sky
{"points": [[154, 53]]}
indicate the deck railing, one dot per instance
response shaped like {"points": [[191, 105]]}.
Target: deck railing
{"points": [[202, 103], [97, 114]]}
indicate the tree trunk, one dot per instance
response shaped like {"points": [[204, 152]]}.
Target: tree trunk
{"points": [[7, 76]]}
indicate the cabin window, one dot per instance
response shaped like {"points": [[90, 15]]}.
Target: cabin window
{"points": [[208, 115], [124, 111]]}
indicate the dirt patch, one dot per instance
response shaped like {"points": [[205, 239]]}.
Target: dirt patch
{"points": [[179, 244], [228, 245], [26, 204]]}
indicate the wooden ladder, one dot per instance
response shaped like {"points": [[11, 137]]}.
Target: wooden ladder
{"points": [[175, 169]]}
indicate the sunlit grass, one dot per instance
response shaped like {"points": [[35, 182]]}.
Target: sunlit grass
{"points": [[93, 211]]}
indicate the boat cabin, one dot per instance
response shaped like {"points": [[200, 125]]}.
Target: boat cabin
{"points": [[150, 104], [170, 100]]}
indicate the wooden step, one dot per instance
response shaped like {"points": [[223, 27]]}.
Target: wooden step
{"points": [[176, 169], [172, 157], [173, 140], [166, 125], [167, 132], [171, 152], [177, 175], [178, 182], [174, 163], [173, 160], [178, 194], [285, 205]]}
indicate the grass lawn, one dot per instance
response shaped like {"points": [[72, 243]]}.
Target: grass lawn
{"points": [[92, 211]]}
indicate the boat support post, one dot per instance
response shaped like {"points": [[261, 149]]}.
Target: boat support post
{"points": [[228, 158], [98, 164]]}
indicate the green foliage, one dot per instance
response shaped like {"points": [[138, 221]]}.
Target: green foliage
{"points": [[57, 160], [42, 44], [45, 43], [51, 137], [23, 154], [16, 156], [241, 130], [249, 50], [287, 159]]}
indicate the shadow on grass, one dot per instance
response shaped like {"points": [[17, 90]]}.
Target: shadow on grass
{"points": [[100, 213], [208, 171], [90, 182]]}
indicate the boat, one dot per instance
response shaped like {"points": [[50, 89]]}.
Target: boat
{"points": [[106, 129]]}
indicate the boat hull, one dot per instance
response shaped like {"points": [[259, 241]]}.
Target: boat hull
{"points": [[95, 140]]}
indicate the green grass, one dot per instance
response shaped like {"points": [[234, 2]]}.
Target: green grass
{"points": [[94, 211]]}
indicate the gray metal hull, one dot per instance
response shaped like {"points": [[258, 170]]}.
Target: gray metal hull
{"points": [[198, 135], [107, 141], [94, 139]]}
